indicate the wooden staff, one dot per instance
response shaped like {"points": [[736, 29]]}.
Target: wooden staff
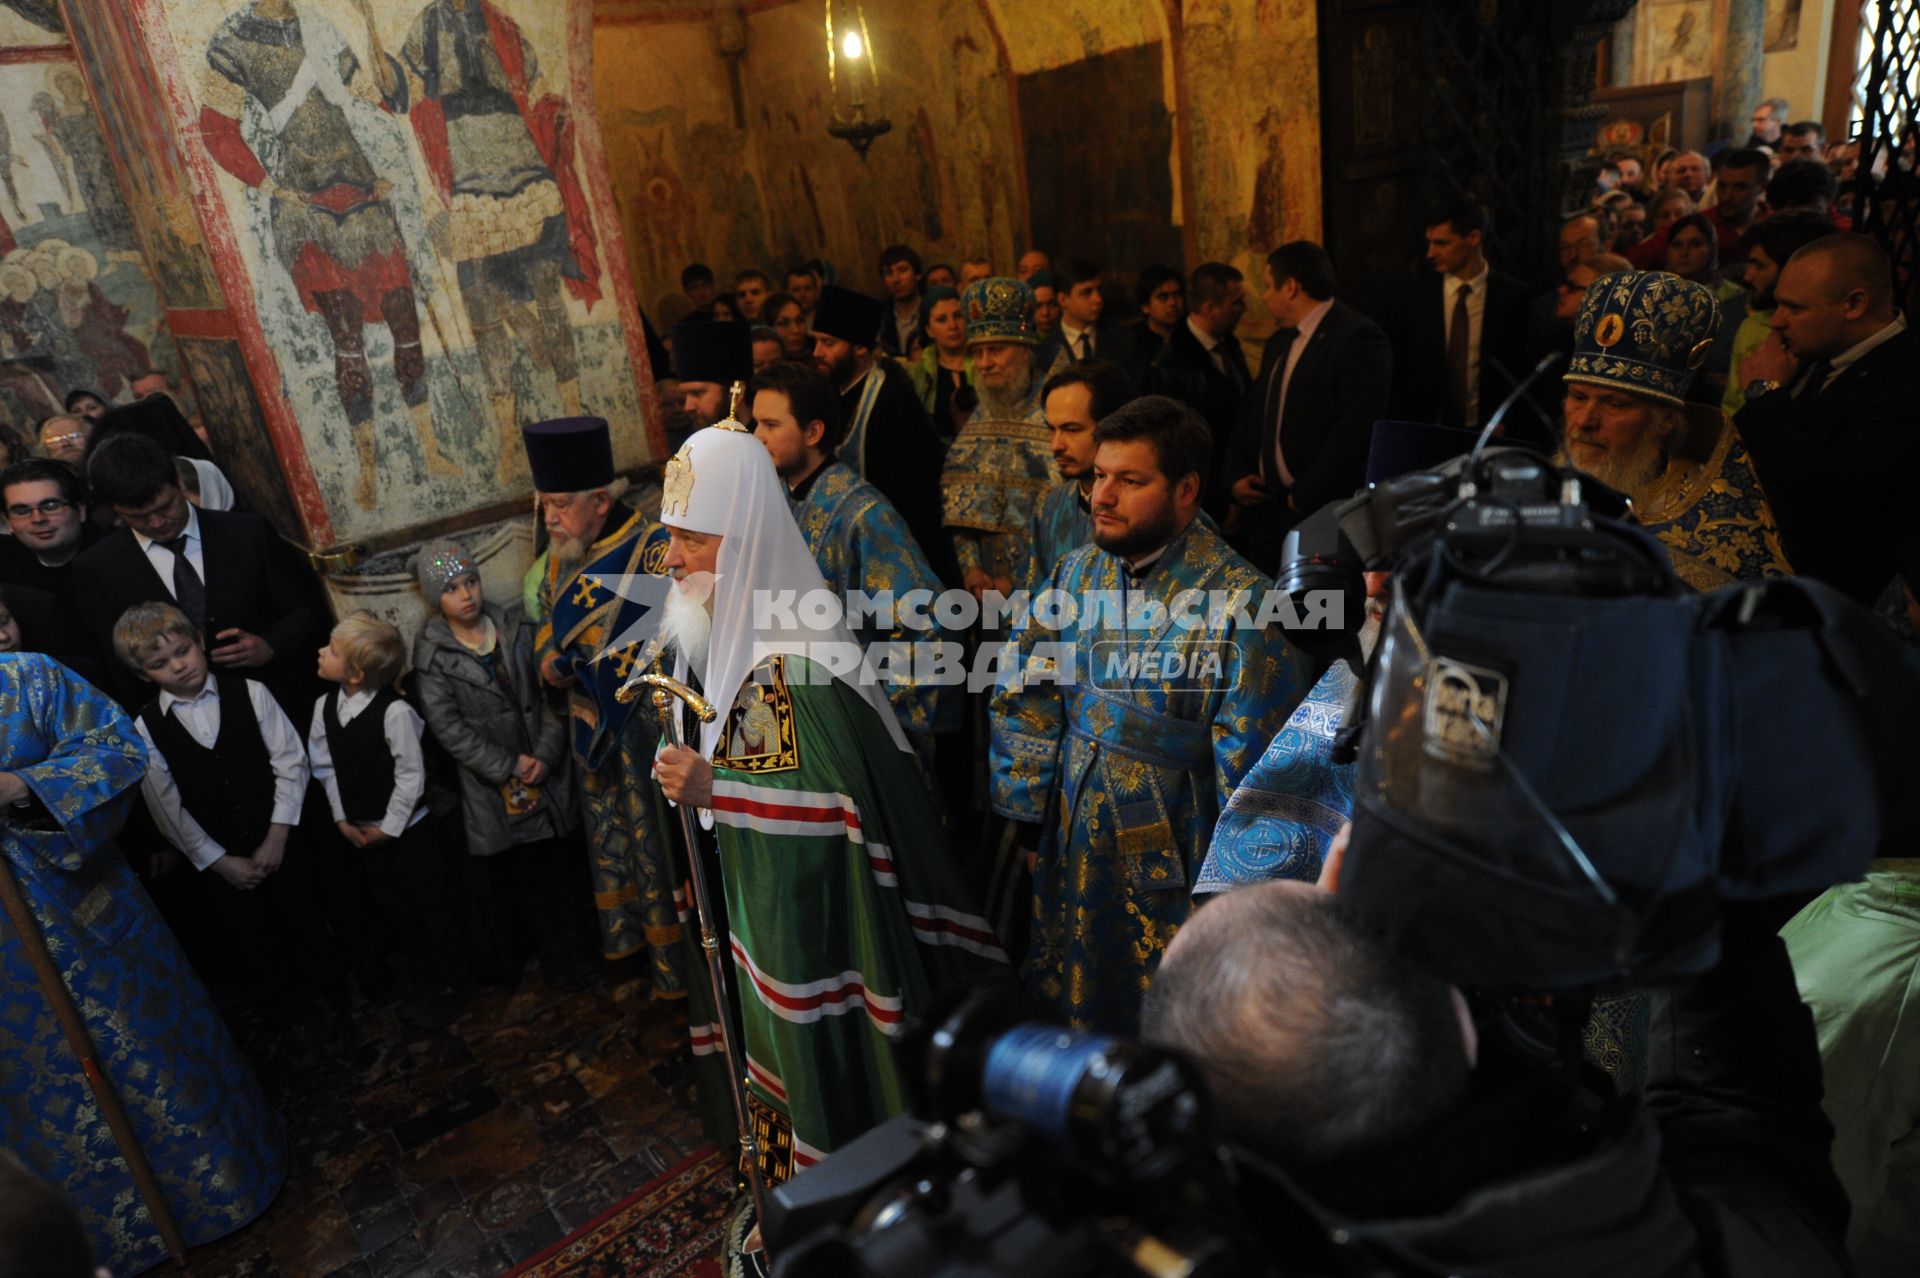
{"points": [[75, 1030]]}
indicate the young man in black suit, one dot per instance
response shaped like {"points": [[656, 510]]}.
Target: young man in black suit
{"points": [[1202, 365], [1460, 336], [1830, 415], [247, 590], [1302, 437], [1082, 334]]}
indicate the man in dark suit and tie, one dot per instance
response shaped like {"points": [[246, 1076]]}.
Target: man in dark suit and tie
{"points": [[1202, 364], [1830, 417], [255, 601], [1082, 334], [1460, 335], [1302, 437]]}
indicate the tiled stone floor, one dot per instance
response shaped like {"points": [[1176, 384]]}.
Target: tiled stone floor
{"points": [[460, 1152]]}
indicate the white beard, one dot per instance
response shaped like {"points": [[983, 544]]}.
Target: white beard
{"points": [[1009, 403], [1633, 473], [687, 624]]}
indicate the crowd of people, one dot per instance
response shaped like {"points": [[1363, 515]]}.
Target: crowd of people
{"points": [[333, 819]]}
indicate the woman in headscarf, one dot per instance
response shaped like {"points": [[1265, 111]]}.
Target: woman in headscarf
{"points": [[1693, 253], [943, 371], [89, 404]]}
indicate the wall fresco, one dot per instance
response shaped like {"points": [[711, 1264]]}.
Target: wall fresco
{"points": [[77, 307], [691, 185], [948, 180], [31, 24], [400, 205], [293, 385]]}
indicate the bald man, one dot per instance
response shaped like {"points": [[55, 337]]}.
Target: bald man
{"points": [[1830, 414], [1363, 1078]]}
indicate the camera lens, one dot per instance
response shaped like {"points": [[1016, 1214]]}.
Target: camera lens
{"points": [[1097, 1098], [1317, 557]]}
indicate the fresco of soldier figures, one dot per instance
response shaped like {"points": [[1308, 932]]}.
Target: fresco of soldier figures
{"points": [[405, 183]]}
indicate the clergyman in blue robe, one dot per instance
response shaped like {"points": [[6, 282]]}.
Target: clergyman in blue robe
{"points": [[1125, 766], [217, 1148], [862, 542]]}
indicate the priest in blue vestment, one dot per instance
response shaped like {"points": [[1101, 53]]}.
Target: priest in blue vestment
{"points": [[69, 765], [861, 542], [1121, 729]]}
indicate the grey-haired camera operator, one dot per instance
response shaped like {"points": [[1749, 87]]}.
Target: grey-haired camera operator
{"points": [[1363, 1077]]}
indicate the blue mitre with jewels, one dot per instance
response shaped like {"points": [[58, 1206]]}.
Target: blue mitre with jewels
{"points": [[1644, 332], [999, 310]]}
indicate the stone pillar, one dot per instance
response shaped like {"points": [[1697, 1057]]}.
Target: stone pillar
{"points": [[380, 285], [1737, 87]]}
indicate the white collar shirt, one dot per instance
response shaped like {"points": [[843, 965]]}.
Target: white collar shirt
{"points": [[1853, 354], [402, 728], [162, 559], [200, 716]]}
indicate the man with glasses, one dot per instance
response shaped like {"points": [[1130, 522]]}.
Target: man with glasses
{"points": [[45, 506], [64, 438]]}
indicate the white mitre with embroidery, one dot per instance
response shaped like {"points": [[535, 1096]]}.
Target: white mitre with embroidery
{"points": [[722, 483]]}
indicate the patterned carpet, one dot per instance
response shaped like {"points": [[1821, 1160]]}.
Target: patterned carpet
{"points": [[673, 1228]]}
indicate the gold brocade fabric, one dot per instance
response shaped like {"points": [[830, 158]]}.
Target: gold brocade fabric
{"points": [[1710, 511]]}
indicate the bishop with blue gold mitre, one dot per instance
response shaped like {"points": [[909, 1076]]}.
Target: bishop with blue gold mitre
{"points": [[1638, 341]]}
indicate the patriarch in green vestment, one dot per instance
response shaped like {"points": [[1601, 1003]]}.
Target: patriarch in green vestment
{"points": [[846, 910]]}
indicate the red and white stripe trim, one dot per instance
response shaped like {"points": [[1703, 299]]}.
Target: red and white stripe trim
{"points": [[706, 1039], [826, 813], [805, 1155], [767, 1079], [829, 996], [938, 925], [767, 810]]}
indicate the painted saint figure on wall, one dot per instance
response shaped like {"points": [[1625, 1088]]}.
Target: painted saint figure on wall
{"points": [[47, 114], [500, 152], [70, 122], [333, 228]]}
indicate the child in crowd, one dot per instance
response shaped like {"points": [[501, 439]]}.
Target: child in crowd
{"points": [[226, 779], [476, 681], [365, 747]]}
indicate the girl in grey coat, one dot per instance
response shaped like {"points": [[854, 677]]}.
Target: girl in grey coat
{"points": [[480, 693]]}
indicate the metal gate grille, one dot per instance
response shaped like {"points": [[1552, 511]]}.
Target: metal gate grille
{"points": [[1886, 96], [1491, 132]]}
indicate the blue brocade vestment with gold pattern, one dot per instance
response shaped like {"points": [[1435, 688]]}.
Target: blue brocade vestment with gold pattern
{"points": [[633, 889], [1063, 523], [996, 470], [216, 1146], [1126, 762], [861, 543]]}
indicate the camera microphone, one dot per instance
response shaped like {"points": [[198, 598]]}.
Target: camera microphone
{"points": [[1546, 362]]}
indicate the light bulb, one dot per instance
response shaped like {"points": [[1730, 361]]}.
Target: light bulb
{"points": [[851, 46]]}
